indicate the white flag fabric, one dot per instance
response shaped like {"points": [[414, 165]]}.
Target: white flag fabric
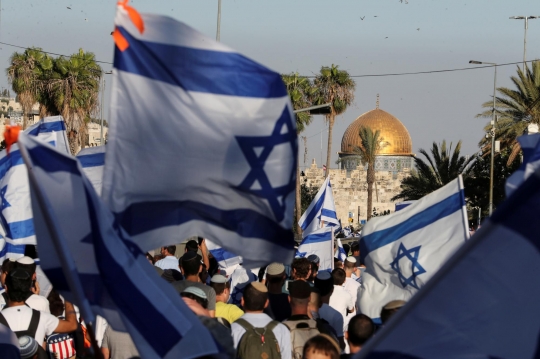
{"points": [[202, 143], [340, 252], [483, 303], [402, 251], [9, 344], [80, 243], [321, 243], [224, 258], [322, 209], [530, 145], [16, 211], [92, 160]]}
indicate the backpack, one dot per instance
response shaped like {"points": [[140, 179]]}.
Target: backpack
{"points": [[301, 331], [30, 331], [258, 343]]}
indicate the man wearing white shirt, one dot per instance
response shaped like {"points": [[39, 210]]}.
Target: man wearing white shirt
{"points": [[254, 300], [351, 285], [169, 261], [341, 300], [34, 301]]}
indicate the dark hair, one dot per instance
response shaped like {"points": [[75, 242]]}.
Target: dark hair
{"points": [[361, 328], [220, 287], [301, 267], [355, 247], [29, 268], [201, 301], [171, 249], [253, 299], [322, 344], [190, 266], [56, 306], [192, 246], [274, 279], [150, 257], [349, 265], [7, 266], [18, 284], [346, 248], [337, 263], [338, 275], [386, 314]]}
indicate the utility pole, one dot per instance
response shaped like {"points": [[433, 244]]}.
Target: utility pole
{"points": [[218, 21], [526, 18]]}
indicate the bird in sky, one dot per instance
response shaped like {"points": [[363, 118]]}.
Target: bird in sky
{"points": [[418, 29], [362, 18], [68, 7], [386, 37]]}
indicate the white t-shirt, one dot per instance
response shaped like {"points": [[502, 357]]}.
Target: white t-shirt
{"points": [[38, 302], [341, 301], [333, 317], [260, 320], [351, 286], [19, 318], [169, 262]]}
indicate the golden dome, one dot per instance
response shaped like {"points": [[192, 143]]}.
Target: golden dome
{"points": [[394, 135]]}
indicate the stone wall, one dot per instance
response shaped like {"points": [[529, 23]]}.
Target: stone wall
{"points": [[350, 190]]}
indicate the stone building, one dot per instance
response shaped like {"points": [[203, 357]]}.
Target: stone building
{"points": [[393, 164]]}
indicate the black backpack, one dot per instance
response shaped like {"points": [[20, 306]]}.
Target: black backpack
{"points": [[258, 343], [30, 331]]}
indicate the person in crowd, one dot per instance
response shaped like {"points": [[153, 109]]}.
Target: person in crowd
{"points": [[197, 295], [191, 266], [34, 301], [150, 258], [7, 266], [355, 250], [28, 347], [346, 248], [341, 300], [301, 269], [169, 261], [23, 320], [191, 246], [325, 284], [390, 309], [351, 285], [360, 329], [338, 263], [315, 261], [279, 308], [222, 287], [300, 324], [314, 305], [255, 333], [118, 345], [321, 346], [63, 345]]}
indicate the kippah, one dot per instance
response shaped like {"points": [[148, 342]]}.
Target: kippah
{"points": [[275, 269], [260, 287], [27, 346], [25, 260], [195, 291], [218, 278], [351, 259], [299, 289], [395, 304], [313, 258], [324, 275]]}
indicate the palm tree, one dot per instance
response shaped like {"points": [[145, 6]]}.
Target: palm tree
{"points": [[336, 87], [25, 73], [300, 91], [442, 167], [515, 109], [368, 153]]}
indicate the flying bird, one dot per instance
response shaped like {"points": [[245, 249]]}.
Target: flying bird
{"points": [[386, 37], [68, 7], [375, 16], [362, 18], [418, 29]]}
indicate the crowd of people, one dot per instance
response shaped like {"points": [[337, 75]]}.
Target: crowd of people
{"points": [[278, 311]]}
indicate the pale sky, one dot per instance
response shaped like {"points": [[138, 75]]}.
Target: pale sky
{"points": [[302, 36]]}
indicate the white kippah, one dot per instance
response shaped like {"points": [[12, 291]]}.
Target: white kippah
{"points": [[25, 260], [351, 259]]}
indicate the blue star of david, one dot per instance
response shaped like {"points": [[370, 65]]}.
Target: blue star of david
{"points": [[300, 254], [5, 203], [274, 195], [417, 269]]}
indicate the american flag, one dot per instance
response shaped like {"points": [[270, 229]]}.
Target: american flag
{"points": [[62, 344]]}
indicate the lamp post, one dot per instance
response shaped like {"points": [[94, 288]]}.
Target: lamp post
{"points": [[102, 101], [526, 18], [218, 31], [492, 133]]}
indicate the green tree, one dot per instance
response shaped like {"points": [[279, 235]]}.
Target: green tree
{"points": [[336, 87], [300, 91], [515, 108], [442, 167], [368, 153]]}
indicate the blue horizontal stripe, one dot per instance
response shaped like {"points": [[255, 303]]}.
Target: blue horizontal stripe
{"points": [[146, 216], [314, 211], [93, 160], [328, 213], [45, 127], [317, 238], [13, 159], [418, 221], [20, 229], [216, 72], [221, 254], [51, 161]]}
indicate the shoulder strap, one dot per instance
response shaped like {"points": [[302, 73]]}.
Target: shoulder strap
{"points": [[32, 328], [3, 320], [272, 325], [244, 324]]}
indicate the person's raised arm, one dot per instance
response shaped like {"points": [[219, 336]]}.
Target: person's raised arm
{"points": [[70, 323], [204, 252]]}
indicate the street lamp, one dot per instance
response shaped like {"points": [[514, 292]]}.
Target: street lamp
{"points": [[492, 133], [218, 31], [526, 18], [102, 101]]}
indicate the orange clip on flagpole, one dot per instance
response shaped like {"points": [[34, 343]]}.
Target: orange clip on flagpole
{"points": [[135, 18], [11, 135]]}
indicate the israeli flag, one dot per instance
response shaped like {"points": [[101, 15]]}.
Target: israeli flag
{"points": [[202, 142], [224, 258], [474, 307], [402, 205], [321, 212], [92, 160], [93, 263], [347, 232], [321, 243], [530, 145], [17, 227], [340, 252], [402, 251]]}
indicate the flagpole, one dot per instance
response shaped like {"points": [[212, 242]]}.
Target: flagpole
{"points": [[63, 252]]}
